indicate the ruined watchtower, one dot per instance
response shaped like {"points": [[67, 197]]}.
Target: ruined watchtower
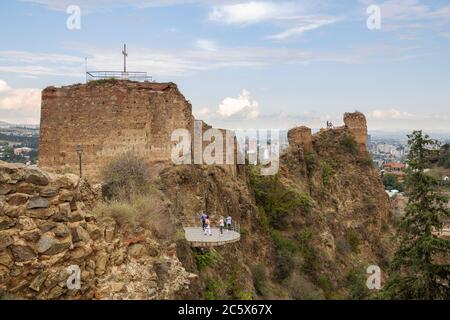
{"points": [[109, 117]]}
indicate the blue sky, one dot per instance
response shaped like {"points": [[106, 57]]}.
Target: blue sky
{"points": [[242, 64]]}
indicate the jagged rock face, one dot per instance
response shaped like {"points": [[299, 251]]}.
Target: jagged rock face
{"points": [[45, 227], [301, 137], [356, 123]]}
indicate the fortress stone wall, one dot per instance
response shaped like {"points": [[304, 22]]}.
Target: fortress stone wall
{"points": [[108, 118], [355, 124]]}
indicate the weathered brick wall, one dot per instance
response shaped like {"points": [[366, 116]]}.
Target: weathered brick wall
{"points": [[108, 118]]}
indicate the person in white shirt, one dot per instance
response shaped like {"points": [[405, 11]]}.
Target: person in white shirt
{"points": [[221, 224], [208, 226], [229, 221]]}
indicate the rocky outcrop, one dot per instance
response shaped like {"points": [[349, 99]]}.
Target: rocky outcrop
{"points": [[46, 232], [356, 123], [301, 137]]}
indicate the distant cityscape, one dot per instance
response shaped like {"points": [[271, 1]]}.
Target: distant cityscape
{"points": [[20, 143]]}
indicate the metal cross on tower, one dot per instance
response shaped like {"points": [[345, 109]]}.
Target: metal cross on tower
{"points": [[125, 55]]}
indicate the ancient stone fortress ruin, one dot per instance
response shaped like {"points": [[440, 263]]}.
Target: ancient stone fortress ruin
{"points": [[109, 117], [354, 123]]}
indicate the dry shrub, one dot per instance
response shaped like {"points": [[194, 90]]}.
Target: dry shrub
{"points": [[125, 175], [301, 288]]}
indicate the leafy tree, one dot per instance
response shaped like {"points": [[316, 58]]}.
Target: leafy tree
{"points": [[277, 200], [419, 269], [391, 182]]}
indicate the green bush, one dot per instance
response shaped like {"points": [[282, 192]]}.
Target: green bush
{"points": [[311, 263], [326, 285], [355, 282], [282, 243], [354, 240], [367, 160], [391, 182], [207, 258], [215, 290], [259, 275], [276, 200], [103, 81], [311, 161], [284, 265], [285, 250], [327, 173], [348, 143]]}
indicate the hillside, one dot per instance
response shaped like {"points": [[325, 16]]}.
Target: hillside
{"points": [[309, 232]]}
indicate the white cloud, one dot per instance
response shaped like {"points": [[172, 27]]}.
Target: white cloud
{"points": [[207, 45], [287, 15], [250, 12], [395, 114], [243, 106], [385, 114], [304, 25], [201, 112], [19, 105], [4, 86]]}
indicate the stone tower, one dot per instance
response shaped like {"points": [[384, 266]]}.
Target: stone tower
{"points": [[357, 125], [108, 118], [301, 137]]}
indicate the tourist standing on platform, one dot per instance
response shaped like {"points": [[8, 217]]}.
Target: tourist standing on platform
{"points": [[203, 218], [221, 224], [207, 226], [229, 221]]}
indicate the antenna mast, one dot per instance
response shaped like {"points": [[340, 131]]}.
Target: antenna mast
{"points": [[125, 55]]}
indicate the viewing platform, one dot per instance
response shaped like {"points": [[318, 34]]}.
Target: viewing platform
{"points": [[118, 75], [197, 238]]}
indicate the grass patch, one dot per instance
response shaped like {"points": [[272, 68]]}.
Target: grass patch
{"points": [[349, 145], [144, 210], [207, 258], [311, 161], [215, 290], [355, 282], [311, 263], [354, 240], [259, 275], [327, 174]]}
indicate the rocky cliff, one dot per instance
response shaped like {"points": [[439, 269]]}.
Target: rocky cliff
{"points": [[309, 232]]}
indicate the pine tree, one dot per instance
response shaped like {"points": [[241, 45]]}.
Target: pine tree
{"points": [[420, 268]]}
